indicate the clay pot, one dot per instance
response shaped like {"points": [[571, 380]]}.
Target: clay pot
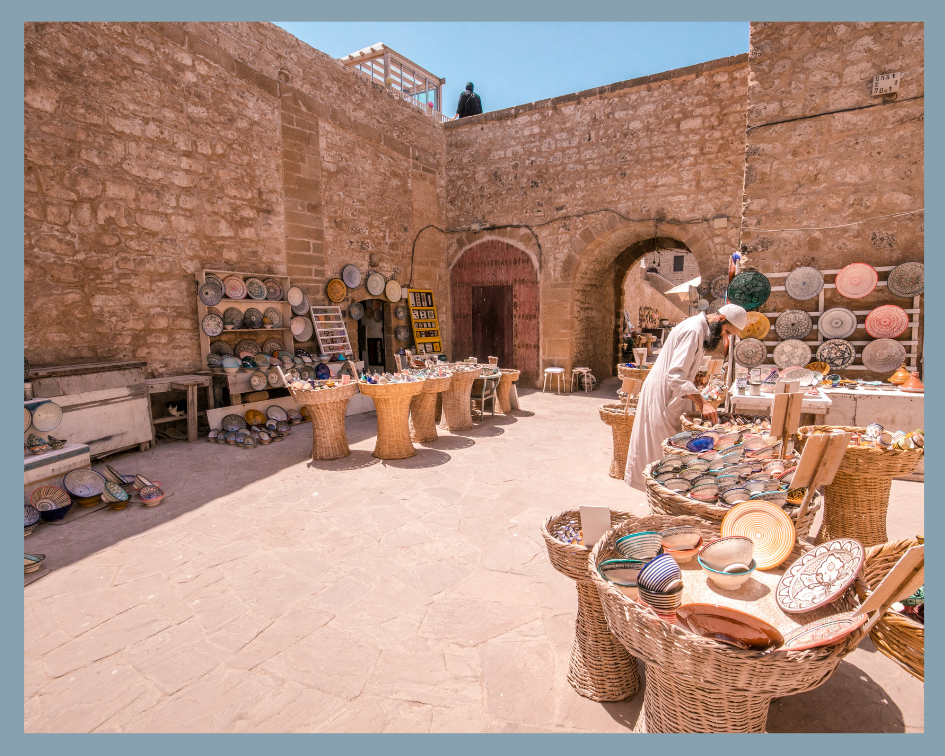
{"points": [[900, 376], [913, 384]]}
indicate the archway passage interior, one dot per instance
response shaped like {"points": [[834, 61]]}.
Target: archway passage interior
{"points": [[494, 295]]}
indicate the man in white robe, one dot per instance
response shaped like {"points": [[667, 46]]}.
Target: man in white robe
{"points": [[669, 389]]}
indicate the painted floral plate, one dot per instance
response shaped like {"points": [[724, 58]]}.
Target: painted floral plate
{"points": [[793, 324], [275, 317], [804, 283], [750, 353], [351, 276], [220, 347], [212, 324], [210, 293], [252, 318], [837, 353], [820, 576], [791, 352], [823, 632], [235, 288], [273, 290], [887, 322], [83, 483], [256, 288]]}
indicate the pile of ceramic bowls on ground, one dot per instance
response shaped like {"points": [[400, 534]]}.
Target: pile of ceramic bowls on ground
{"points": [[256, 428]]}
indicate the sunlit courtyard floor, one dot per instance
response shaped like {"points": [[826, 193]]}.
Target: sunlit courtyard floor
{"points": [[271, 593]]}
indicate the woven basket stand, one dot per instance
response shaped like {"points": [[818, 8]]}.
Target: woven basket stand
{"points": [[504, 389], [457, 414], [621, 423], [423, 410], [392, 402], [327, 408], [696, 684], [600, 668], [857, 500], [625, 372]]}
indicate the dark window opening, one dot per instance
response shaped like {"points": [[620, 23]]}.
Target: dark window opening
{"points": [[679, 262]]}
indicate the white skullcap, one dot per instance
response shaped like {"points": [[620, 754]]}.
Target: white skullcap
{"points": [[735, 315]]}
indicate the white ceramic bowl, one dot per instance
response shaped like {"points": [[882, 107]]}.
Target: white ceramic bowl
{"points": [[731, 577]]}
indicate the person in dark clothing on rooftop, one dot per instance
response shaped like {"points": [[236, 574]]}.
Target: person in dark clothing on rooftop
{"points": [[469, 103]]}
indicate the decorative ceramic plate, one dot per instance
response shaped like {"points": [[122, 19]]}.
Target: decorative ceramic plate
{"points": [[806, 377], [351, 276], [304, 307], [750, 290], [729, 626], [837, 353], [220, 347], [356, 311], [31, 515], [757, 328], [770, 530], [818, 367], [83, 483], [214, 278], [791, 352], [47, 416], [308, 330], [252, 318], [233, 316], [718, 287], [823, 632], [277, 413], [297, 324], [401, 312], [804, 283], [247, 345], [856, 280], [887, 322], [210, 294], [820, 576], [232, 423], [275, 317], [295, 296], [212, 325], [703, 305], [714, 305], [273, 289], [378, 314], [272, 346], [907, 280], [235, 288], [274, 378], [56, 495], [27, 419], [307, 372], [750, 353], [402, 333], [837, 323], [375, 284], [256, 288], [258, 380], [793, 324], [393, 291], [883, 355], [336, 290]]}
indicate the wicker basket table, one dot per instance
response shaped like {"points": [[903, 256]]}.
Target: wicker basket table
{"points": [[600, 667], [457, 414], [638, 373], [696, 684], [856, 502], [423, 410], [392, 402], [327, 408], [898, 637], [504, 389], [622, 425], [666, 502]]}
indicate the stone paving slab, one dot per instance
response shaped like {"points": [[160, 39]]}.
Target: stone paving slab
{"points": [[272, 593]]}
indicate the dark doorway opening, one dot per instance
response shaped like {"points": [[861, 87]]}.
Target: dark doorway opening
{"points": [[492, 323]]}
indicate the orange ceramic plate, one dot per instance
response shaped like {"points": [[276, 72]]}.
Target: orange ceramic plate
{"points": [[767, 526]]}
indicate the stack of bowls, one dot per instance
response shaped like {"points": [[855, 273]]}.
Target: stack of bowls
{"points": [[637, 549], [728, 561], [660, 586]]}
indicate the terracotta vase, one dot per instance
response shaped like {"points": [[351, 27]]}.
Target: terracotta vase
{"points": [[913, 384], [900, 376]]}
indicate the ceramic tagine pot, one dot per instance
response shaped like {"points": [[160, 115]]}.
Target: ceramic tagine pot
{"points": [[913, 384], [900, 376]]}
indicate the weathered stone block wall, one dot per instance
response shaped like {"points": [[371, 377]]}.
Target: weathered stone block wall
{"points": [[637, 293], [822, 152], [154, 150]]}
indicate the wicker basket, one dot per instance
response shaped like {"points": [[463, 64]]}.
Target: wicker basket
{"points": [[504, 389], [857, 499], [423, 410], [696, 684], [327, 408], [666, 502], [456, 415], [392, 402], [896, 636], [638, 373], [600, 667], [621, 424]]}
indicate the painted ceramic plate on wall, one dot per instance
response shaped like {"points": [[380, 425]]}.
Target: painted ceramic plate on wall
{"points": [[907, 280], [402, 333], [770, 530], [220, 347], [336, 291], [210, 294], [791, 352], [757, 328], [887, 322], [750, 353], [308, 330], [235, 288], [714, 305], [837, 323], [378, 314], [820, 576], [27, 419], [356, 311], [273, 289], [837, 353], [703, 305], [719, 286], [212, 324], [247, 345], [297, 325], [275, 317], [272, 346], [883, 355], [233, 316], [823, 632], [351, 276], [256, 288], [47, 416], [375, 284], [393, 291], [304, 307], [804, 283], [793, 324], [214, 278], [856, 280], [252, 318], [401, 312], [750, 290], [295, 296]]}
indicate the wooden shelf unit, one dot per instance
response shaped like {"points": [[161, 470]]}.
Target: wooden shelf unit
{"points": [[426, 329], [330, 330]]}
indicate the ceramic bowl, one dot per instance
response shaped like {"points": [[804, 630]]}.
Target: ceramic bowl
{"points": [[708, 456], [700, 443], [690, 474], [32, 562], [660, 574], [52, 510], [31, 517], [682, 556], [736, 495], [755, 486], [680, 485], [753, 442], [722, 552], [778, 498], [773, 485], [681, 538], [663, 602], [775, 466], [151, 496], [730, 578], [621, 572], [641, 546]]}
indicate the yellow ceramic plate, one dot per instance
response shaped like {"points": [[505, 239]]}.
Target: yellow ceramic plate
{"points": [[818, 367], [757, 328], [336, 290]]}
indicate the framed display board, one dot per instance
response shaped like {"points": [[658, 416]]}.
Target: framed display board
{"points": [[330, 329], [425, 322]]}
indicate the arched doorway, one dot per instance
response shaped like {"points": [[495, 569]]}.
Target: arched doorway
{"points": [[494, 297]]}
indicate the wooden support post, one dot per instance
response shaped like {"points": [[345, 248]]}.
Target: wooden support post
{"points": [[192, 412], [822, 455]]}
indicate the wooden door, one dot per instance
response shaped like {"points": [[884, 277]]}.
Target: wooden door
{"points": [[491, 324]]}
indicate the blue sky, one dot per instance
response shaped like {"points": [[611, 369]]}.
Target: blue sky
{"points": [[515, 63]]}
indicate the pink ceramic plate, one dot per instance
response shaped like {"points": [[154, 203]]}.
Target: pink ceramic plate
{"points": [[820, 576], [856, 280], [887, 322], [823, 632]]}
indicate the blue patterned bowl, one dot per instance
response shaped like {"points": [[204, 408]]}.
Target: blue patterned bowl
{"points": [[659, 574]]}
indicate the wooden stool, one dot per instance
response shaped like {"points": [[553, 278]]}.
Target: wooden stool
{"points": [[190, 384], [553, 373]]}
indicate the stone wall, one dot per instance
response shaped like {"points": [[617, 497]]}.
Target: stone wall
{"points": [[155, 150], [822, 152], [637, 293]]}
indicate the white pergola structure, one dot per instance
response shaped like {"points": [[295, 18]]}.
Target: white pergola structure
{"points": [[414, 84]]}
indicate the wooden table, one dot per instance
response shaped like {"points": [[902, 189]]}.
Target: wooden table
{"points": [[190, 384]]}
